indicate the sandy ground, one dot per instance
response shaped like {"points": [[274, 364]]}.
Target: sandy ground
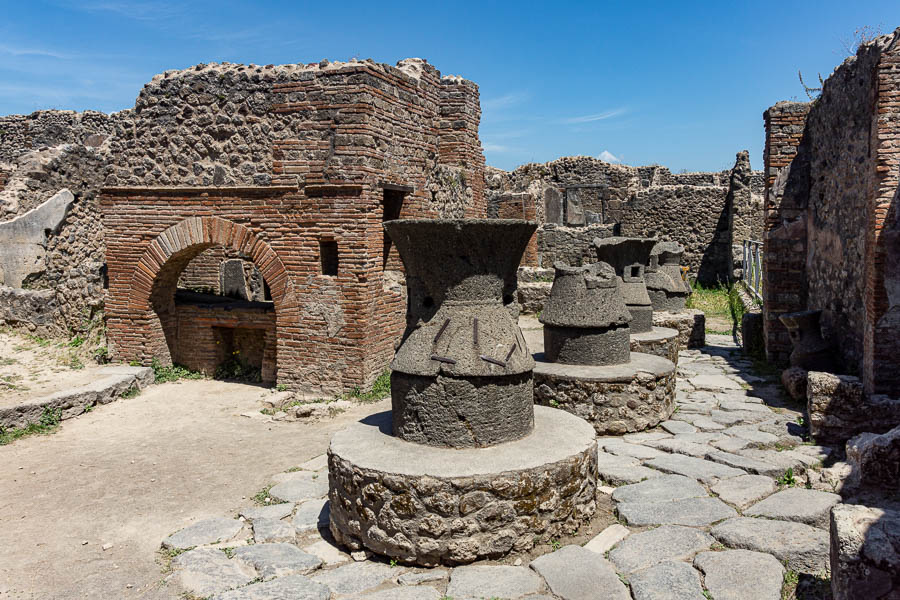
{"points": [[32, 367], [129, 474]]}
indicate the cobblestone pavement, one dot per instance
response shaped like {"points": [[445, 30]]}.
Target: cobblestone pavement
{"points": [[725, 500]]}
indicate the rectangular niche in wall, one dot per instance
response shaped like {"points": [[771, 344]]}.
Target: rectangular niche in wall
{"points": [[328, 252]]}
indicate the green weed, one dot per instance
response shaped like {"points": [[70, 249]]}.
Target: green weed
{"points": [[48, 423], [165, 374]]}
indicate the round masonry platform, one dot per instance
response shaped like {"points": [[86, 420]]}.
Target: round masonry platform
{"points": [[429, 505], [615, 399], [690, 323], [660, 341]]}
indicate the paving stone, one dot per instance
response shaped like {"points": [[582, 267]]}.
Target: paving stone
{"points": [[703, 470], [820, 453], [273, 530], [619, 470], [700, 408], [736, 418], [668, 542], [744, 490], [272, 511], [730, 444], [812, 507], [356, 577], [620, 448], [207, 571], [703, 396], [667, 581], [574, 573], [473, 582], [746, 463], [303, 485], [421, 592], [315, 464], [704, 423], [659, 489], [645, 436], [714, 382], [782, 460], [680, 447], [741, 575], [329, 553], [208, 531], [423, 576], [291, 587], [696, 512], [699, 437], [311, 515], [805, 548], [677, 427], [277, 560], [751, 434], [737, 406], [607, 538]]}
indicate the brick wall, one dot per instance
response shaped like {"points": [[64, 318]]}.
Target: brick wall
{"points": [[784, 233], [352, 141], [881, 374], [207, 336], [832, 239]]}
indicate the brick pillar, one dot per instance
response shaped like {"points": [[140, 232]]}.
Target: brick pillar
{"points": [[460, 115], [784, 236], [881, 351]]}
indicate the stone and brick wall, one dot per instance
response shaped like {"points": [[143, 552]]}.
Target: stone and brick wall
{"points": [[281, 164], [831, 239], [784, 236], [706, 212]]}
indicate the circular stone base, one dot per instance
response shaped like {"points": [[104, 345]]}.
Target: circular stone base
{"points": [[690, 323], [615, 399], [428, 505], [659, 341]]}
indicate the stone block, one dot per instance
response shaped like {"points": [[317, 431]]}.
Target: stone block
{"points": [[865, 552], [839, 408], [875, 460]]}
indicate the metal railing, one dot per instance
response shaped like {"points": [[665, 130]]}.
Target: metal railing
{"points": [[751, 271]]}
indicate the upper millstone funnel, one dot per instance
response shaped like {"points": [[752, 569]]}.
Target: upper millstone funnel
{"points": [[667, 289], [462, 375], [628, 256], [585, 319]]}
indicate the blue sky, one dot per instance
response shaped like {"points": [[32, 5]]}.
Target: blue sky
{"points": [[682, 84]]}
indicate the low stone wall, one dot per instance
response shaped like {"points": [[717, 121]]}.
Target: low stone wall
{"points": [[690, 324], [659, 341], [427, 505], [112, 381], [615, 399], [839, 408], [865, 563]]}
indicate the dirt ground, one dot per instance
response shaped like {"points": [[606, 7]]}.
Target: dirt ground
{"points": [[129, 474], [31, 367]]}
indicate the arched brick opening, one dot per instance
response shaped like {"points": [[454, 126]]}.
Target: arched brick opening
{"points": [[167, 255]]}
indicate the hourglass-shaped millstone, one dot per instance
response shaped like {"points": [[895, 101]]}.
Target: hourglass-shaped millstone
{"points": [[811, 351], [462, 376], [668, 291], [585, 319], [629, 256]]}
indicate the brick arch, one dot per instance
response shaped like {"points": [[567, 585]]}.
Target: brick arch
{"points": [[156, 274]]}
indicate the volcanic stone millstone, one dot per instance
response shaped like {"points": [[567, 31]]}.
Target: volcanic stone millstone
{"points": [[430, 505], [462, 412], [629, 257], [582, 346]]}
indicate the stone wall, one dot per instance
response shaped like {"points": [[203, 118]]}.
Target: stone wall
{"points": [[295, 167], [348, 138], [832, 239], [706, 212]]}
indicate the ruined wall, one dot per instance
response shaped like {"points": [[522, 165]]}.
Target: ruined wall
{"points": [[696, 209], [299, 159], [832, 168]]}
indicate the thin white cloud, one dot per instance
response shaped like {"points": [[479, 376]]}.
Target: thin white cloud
{"points": [[489, 147], [26, 51], [597, 117], [139, 11], [609, 157], [505, 101]]}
